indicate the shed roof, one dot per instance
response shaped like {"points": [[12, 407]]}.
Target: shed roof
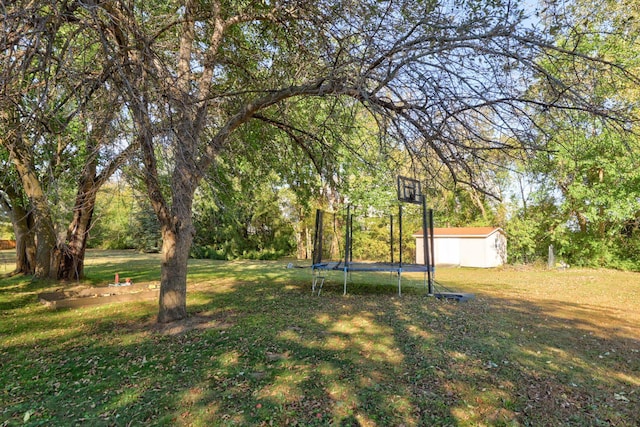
{"points": [[462, 232]]}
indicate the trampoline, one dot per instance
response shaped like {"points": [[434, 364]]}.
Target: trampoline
{"points": [[397, 268], [409, 191]]}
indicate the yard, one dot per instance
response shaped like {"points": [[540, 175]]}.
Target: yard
{"points": [[534, 348]]}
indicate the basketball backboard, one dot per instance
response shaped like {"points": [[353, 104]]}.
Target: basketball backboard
{"points": [[409, 190]]}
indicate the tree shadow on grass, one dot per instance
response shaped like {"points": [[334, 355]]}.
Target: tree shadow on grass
{"points": [[531, 366], [266, 351]]}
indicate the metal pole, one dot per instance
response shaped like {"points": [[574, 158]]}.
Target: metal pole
{"points": [[391, 235], [347, 249], [425, 245], [347, 239], [351, 238], [317, 247], [345, 280], [433, 245], [400, 230]]}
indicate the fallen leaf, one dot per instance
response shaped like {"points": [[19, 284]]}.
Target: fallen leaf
{"points": [[620, 397]]}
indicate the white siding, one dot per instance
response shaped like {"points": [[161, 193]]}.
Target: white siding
{"points": [[447, 250], [467, 251], [472, 252], [496, 250]]}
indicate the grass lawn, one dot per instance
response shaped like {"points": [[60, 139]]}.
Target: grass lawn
{"points": [[539, 348]]}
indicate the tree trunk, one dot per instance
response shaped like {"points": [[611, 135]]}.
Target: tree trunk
{"points": [[301, 243], [72, 253], [173, 282], [45, 265], [25, 241], [477, 201], [45, 233], [177, 236], [38, 263], [72, 256], [602, 226], [176, 243], [22, 222], [582, 222]]}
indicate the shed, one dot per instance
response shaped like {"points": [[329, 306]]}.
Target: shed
{"points": [[7, 244], [482, 247]]}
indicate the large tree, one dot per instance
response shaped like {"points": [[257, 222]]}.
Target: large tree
{"points": [[193, 73], [57, 124]]}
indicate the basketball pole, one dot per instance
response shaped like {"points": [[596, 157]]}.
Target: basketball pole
{"points": [[433, 245], [425, 244]]}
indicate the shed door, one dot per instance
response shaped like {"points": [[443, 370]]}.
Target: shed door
{"points": [[447, 250], [472, 252]]}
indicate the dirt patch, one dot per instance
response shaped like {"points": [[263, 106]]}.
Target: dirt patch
{"points": [[199, 321], [89, 296]]}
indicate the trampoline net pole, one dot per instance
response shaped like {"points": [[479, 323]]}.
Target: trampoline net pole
{"points": [[391, 235], [351, 238], [400, 232], [346, 272], [318, 236], [347, 247]]}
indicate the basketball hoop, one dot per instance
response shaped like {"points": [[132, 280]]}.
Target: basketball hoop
{"points": [[409, 190]]}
